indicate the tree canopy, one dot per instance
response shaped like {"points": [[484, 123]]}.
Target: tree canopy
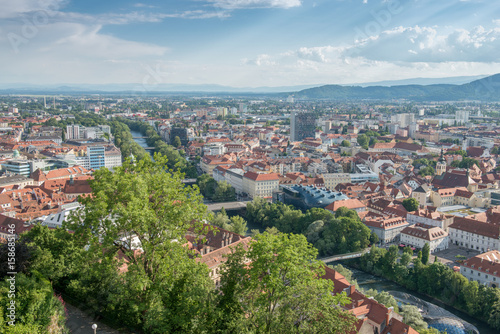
{"points": [[410, 204], [270, 289]]}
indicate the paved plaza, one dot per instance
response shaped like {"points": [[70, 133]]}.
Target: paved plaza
{"points": [[448, 256]]}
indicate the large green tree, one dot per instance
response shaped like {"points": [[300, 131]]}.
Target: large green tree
{"points": [[141, 214], [224, 192], [275, 287]]}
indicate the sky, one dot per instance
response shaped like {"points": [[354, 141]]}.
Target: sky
{"points": [[245, 43]]}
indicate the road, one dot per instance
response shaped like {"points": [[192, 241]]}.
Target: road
{"points": [[79, 322]]}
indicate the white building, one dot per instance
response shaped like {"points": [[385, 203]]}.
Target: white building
{"points": [[73, 132], [56, 220], [260, 185], [483, 268], [387, 229], [473, 234], [462, 116], [419, 234], [112, 157], [234, 177]]}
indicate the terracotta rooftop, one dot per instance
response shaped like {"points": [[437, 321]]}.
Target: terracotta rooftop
{"points": [[488, 263], [262, 177]]}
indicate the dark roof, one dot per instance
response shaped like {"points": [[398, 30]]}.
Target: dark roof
{"points": [[451, 180], [476, 227]]}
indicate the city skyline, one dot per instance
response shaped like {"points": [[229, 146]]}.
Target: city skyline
{"points": [[246, 43]]}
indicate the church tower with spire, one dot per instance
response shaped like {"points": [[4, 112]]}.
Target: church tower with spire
{"points": [[441, 165]]}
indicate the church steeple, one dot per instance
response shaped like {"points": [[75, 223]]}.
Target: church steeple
{"points": [[441, 158], [441, 165]]}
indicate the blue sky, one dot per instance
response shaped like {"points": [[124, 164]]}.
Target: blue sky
{"points": [[246, 43]]}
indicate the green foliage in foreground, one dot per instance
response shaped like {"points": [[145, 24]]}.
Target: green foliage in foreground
{"points": [[275, 293], [164, 288], [37, 309]]}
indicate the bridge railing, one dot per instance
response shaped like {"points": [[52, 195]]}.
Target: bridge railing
{"points": [[345, 256]]}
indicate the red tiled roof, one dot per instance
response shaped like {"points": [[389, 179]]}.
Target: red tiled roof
{"points": [[488, 263], [352, 203], [262, 177]]}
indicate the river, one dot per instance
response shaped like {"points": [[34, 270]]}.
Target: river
{"points": [[367, 281], [141, 141]]}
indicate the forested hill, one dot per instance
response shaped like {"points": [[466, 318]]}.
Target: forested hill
{"points": [[486, 89]]}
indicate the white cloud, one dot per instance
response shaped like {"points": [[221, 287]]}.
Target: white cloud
{"points": [[428, 44], [238, 4], [62, 52], [13, 9]]}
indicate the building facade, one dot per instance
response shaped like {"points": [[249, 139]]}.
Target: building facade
{"points": [[96, 157], [302, 125], [419, 234], [387, 229], [473, 234], [483, 268]]}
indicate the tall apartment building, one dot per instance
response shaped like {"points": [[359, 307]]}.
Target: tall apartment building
{"points": [[73, 131], [405, 120], [302, 125], [96, 156], [462, 116]]}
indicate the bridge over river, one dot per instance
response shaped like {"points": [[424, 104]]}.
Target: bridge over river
{"points": [[345, 256], [228, 206]]}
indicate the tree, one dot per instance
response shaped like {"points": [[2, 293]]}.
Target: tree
{"points": [[144, 211], [363, 141], [374, 238], [405, 259], [224, 192], [36, 307], [23, 257], [275, 293], [411, 204], [383, 297], [412, 317], [207, 185], [345, 143], [426, 250], [494, 317], [139, 203], [177, 142], [238, 225], [426, 171]]}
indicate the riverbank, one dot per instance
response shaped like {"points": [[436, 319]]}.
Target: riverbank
{"points": [[368, 281]]}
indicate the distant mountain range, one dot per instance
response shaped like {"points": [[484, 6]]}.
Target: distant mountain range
{"points": [[156, 88], [485, 89]]}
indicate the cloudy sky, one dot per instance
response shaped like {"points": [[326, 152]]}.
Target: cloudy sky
{"points": [[246, 43]]}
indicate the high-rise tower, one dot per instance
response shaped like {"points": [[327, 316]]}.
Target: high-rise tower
{"points": [[302, 125]]}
